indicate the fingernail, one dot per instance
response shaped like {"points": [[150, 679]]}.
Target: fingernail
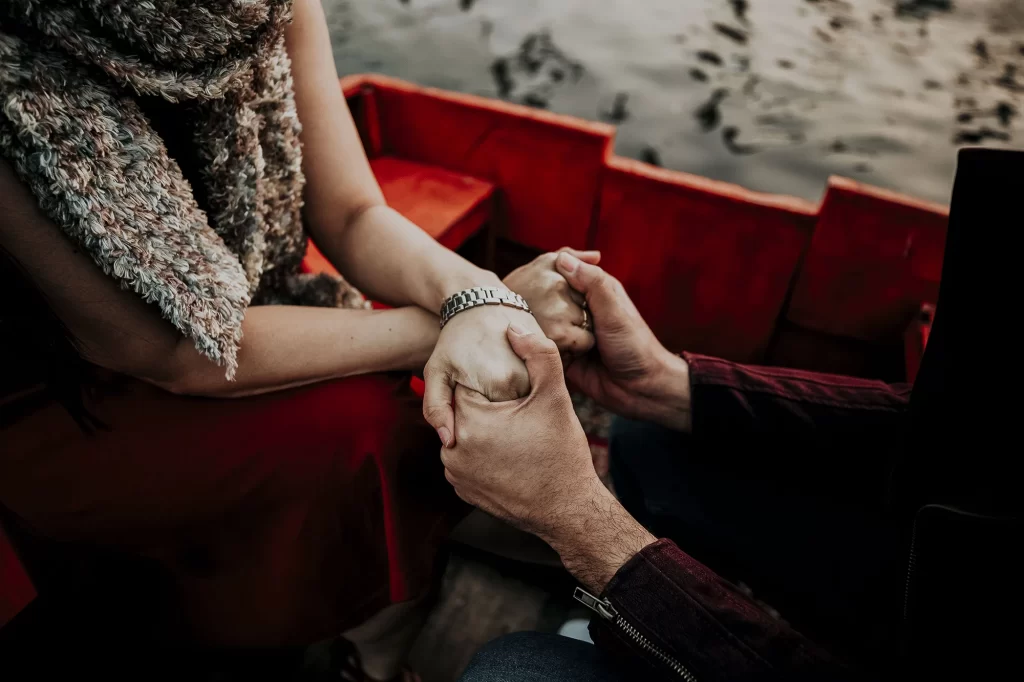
{"points": [[568, 262], [445, 434], [519, 331]]}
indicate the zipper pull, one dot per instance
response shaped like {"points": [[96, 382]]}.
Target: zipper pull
{"points": [[601, 607]]}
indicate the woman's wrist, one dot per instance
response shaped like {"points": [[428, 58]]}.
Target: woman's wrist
{"points": [[467, 278], [421, 330]]}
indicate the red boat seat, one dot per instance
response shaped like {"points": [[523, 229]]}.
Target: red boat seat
{"points": [[450, 207], [707, 263], [874, 258]]}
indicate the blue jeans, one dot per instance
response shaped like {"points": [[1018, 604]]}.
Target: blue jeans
{"points": [[539, 657]]}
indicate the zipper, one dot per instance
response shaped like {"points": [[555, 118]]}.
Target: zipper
{"points": [[604, 608], [911, 565]]}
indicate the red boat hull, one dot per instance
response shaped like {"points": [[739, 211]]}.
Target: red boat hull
{"points": [[713, 267]]}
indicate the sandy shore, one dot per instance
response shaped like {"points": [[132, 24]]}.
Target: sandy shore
{"points": [[775, 95]]}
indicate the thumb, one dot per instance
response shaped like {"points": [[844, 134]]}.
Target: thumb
{"points": [[543, 361], [589, 280], [437, 405], [592, 257]]}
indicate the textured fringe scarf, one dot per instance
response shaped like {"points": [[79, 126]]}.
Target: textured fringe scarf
{"points": [[72, 73]]}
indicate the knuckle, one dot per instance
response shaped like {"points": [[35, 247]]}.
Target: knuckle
{"points": [[545, 260], [507, 389], [450, 477], [501, 388], [580, 343], [431, 370], [559, 335], [608, 285], [434, 413]]}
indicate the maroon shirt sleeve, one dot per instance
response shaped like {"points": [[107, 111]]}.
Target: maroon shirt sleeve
{"points": [[729, 398], [684, 609], [703, 622], [838, 433]]}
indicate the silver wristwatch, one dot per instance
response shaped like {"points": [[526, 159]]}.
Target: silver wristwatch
{"points": [[477, 296]]}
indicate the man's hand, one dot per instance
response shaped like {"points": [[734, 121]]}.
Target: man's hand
{"points": [[472, 351], [522, 460], [630, 373], [527, 462]]}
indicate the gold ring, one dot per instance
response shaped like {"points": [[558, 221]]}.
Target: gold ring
{"points": [[585, 324]]}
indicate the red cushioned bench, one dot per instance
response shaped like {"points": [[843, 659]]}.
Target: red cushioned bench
{"points": [[450, 207]]}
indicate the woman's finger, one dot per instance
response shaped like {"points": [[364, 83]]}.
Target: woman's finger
{"points": [[575, 340], [437, 405]]}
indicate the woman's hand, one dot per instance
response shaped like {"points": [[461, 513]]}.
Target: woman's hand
{"points": [[557, 307], [473, 350]]}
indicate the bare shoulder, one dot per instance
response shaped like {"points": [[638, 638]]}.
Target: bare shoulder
{"points": [[307, 16]]}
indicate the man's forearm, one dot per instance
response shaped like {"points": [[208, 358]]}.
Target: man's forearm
{"points": [[394, 261], [595, 536]]}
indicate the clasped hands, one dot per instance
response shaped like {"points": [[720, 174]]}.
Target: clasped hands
{"points": [[472, 350], [526, 460]]}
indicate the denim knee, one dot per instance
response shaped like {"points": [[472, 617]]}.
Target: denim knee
{"points": [[646, 460], [538, 657]]}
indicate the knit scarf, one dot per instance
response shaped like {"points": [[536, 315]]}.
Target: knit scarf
{"points": [[73, 78]]}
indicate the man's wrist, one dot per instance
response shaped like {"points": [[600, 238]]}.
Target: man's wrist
{"points": [[668, 394], [595, 536]]}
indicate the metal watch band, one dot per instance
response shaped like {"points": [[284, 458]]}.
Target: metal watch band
{"points": [[477, 296]]}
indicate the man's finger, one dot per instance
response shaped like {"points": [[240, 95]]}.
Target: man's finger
{"points": [[583, 276], [581, 375], [467, 396], [591, 257], [543, 361], [474, 413], [437, 406], [578, 298]]}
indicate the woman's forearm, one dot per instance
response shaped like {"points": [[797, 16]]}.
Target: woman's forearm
{"points": [[386, 256], [394, 261], [287, 346]]}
